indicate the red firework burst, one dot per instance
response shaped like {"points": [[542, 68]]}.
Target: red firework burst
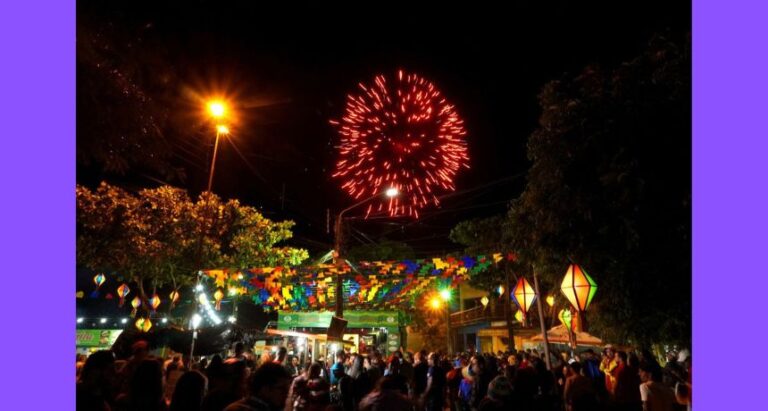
{"points": [[400, 133]]}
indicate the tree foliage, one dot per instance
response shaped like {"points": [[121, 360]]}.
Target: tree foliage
{"points": [[160, 236], [385, 250], [609, 188]]}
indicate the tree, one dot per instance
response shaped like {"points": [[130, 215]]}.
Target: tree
{"points": [[385, 250], [609, 188], [160, 236]]}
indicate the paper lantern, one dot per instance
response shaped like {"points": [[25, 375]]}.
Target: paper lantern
{"points": [[174, 298], [155, 301], [99, 279], [143, 324], [519, 316], [550, 300], [135, 303], [218, 296], [484, 301], [524, 295], [578, 287], [500, 290], [123, 292], [566, 318]]}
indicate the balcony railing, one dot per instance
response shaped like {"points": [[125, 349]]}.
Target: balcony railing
{"points": [[492, 312]]}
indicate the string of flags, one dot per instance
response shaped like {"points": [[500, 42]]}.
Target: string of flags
{"points": [[377, 284]]}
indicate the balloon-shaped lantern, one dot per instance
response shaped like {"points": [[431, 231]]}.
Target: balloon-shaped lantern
{"points": [[524, 296], [98, 279], [484, 301], [550, 300], [154, 302], [566, 318], [174, 298], [123, 292], [144, 324], [135, 303], [580, 289], [519, 316], [218, 296]]}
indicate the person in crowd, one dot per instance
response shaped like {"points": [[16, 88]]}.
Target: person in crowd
{"points": [[480, 381], [655, 396], [282, 353], [433, 396], [625, 393], [406, 367], [95, 387], [267, 390], [309, 392], [189, 392], [499, 397], [295, 368], [453, 381], [140, 351], [340, 357], [362, 384], [607, 366], [145, 389], [579, 393], [673, 371], [386, 397], [239, 351], [229, 388], [420, 369], [344, 394], [373, 369], [79, 362]]}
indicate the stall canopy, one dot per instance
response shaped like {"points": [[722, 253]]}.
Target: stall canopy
{"points": [[559, 334]]}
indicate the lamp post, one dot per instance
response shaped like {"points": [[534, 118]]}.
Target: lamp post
{"points": [[217, 110], [338, 260], [436, 303]]}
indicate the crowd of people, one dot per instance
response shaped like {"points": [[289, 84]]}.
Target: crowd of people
{"points": [[611, 380]]}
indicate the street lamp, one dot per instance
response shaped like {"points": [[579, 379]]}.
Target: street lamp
{"points": [[391, 192]]}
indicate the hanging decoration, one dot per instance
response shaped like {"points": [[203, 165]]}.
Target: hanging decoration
{"points": [[154, 302], [135, 303], [123, 292], [550, 300], [218, 296], [566, 318], [174, 297], [143, 324], [519, 316], [578, 287], [98, 279], [484, 301], [524, 296]]}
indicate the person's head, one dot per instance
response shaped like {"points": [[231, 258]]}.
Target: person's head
{"points": [[99, 368], [281, 353], [647, 372], [189, 392], [500, 388], [140, 350], [477, 364], [146, 386], [434, 359], [314, 370], [621, 357], [609, 351], [409, 357], [340, 356], [574, 368], [270, 383], [589, 354], [239, 348], [295, 361], [338, 372]]}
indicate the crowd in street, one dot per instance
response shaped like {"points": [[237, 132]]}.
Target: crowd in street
{"points": [[611, 380]]}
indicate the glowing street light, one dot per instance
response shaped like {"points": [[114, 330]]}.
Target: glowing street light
{"points": [[435, 303], [222, 129], [445, 294], [392, 192], [216, 108]]}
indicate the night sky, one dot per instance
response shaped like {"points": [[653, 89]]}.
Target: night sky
{"points": [[290, 69]]}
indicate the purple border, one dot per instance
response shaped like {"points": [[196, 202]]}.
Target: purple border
{"points": [[37, 108], [730, 202]]}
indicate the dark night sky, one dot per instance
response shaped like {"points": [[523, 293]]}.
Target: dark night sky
{"points": [[291, 68]]}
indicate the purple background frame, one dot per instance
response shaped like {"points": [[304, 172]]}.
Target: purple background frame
{"points": [[37, 39]]}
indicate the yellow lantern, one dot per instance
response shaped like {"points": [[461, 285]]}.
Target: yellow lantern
{"points": [[144, 324], [135, 303], [174, 298], [524, 295], [519, 316], [155, 301], [578, 287], [484, 301], [550, 300], [218, 296]]}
